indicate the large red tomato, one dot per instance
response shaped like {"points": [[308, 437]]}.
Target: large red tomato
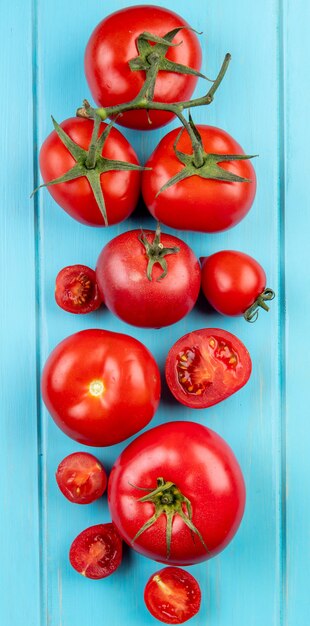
{"points": [[131, 277], [101, 387], [198, 203], [113, 44], [177, 494], [120, 189]]}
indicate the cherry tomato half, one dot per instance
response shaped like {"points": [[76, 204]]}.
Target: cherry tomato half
{"points": [[176, 493], [114, 43], [101, 387], [97, 551], [172, 595], [120, 189], [143, 292], [235, 284], [206, 366], [76, 289], [81, 478], [197, 203]]}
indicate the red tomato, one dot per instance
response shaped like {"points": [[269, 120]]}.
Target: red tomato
{"points": [[81, 478], [76, 289], [233, 282], [101, 387], [114, 43], [97, 551], [176, 493], [197, 203], [172, 595], [206, 366], [120, 188], [136, 290]]}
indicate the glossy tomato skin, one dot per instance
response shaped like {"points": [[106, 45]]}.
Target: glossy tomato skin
{"points": [[172, 595], [201, 464], [129, 294], [81, 478], [113, 44], [120, 188], [231, 281], [97, 551], [196, 203], [207, 366], [100, 387], [76, 289]]}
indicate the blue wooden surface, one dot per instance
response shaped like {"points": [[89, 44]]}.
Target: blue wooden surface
{"points": [[261, 578]]}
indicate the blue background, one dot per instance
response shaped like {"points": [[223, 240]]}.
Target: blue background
{"points": [[261, 578]]}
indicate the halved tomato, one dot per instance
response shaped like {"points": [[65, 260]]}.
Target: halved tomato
{"points": [[172, 595], [97, 551], [206, 366], [76, 289], [81, 478]]}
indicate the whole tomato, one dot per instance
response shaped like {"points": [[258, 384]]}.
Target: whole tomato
{"points": [[176, 493], [113, 44], [100, 387], [120, 189], [235, 284], [147, 278], [198, 203]]}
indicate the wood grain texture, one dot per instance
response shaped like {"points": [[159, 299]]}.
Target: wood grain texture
{"points": [[260, 578], [20, 455]]}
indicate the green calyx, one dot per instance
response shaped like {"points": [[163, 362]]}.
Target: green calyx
{"points": [[152, 58], [90, 163], [251, 314], [169, 501], [201, 163], [156, 253]]}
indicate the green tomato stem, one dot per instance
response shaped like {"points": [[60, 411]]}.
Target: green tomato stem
{"points": [[142, 101]]}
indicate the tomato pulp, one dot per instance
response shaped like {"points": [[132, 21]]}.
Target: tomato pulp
{"points": [[81, 478], [101, 387], [207, 366], [176, 493], [172, 595], [97, 551], [76, 289]]}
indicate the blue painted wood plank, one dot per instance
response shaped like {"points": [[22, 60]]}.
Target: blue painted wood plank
{"points": [[19, 452], [296, 222]]}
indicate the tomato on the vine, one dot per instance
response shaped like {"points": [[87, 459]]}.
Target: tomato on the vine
{"points": [[80, 195], [81, 478], [172, 595], [97, 551], [235, 284], [76, 289], [101, 387], [176, 493], [207, 366], [199, 202], [113, 45], [148, 278]]}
